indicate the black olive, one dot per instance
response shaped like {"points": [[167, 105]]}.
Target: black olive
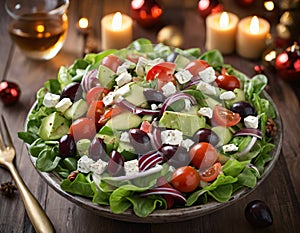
{"points": [[258, 214]]}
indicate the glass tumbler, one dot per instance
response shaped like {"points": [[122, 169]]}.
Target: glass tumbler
{"points": [[38, 27]]}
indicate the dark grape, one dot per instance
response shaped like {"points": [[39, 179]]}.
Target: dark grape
{"points": [[115, 166], [168, 151], [258, 214], [97, 149], [206, 135], [140, 141], [72, 91], [154, 97], [180, 158], [244, 109], [67, 146]]}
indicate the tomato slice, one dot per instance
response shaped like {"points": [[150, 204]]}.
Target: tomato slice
{"points": [[211, 173], [146, 127], [95, 111], [108, 114], [96, 93], [112, 62], [227, 82], [83, 128], [163, 71], [195, 66], [185, 179], [224, 117], [203, 155]]}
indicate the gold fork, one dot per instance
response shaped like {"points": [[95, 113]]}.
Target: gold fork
{"points": [[38, 217]]}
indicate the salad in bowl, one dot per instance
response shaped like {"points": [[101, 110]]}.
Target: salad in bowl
{"points": [[149, 128]]}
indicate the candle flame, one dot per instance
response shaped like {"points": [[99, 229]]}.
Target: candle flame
{"points": [[254, 25], [137, 4], [116, 23], [203, 4], [224, 20], [40, 28], [83, 23], [269, 5]]}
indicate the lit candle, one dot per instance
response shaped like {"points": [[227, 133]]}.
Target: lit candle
{"points": [[116, 31], [221, 32], [251, 37]]}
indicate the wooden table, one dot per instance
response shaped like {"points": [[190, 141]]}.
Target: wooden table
{"points": [[281, 189]]}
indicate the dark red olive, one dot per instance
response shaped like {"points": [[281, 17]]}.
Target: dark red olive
{"points": [[206, 135], [168, 151], [67, 146], [72, 91], [180, 158], [243, 108], [97, 149], [115, 166], [258, 214], [153, 96], [140, 141]]}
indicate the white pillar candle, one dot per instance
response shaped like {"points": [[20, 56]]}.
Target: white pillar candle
{"points": [[221, 32], [116, 31], [251, 37]]}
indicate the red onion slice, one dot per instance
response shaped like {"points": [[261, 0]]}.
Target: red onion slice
{"points": [[149, 160], [249, 132], [248, 148], [90, 80], [164, 191], [122, 103]]}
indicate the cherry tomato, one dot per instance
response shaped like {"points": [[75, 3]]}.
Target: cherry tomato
{"points": [[112, 62], [224, 117], [195, 66], [83, 128], [146, 127], [203, 155], [96, 93], [95, 111], [211, 173], [163, 71], [227, 82], [185, 179], [108, 114]]}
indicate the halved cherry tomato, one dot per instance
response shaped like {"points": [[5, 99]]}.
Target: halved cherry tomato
{"points": [[163, 71], [224, 117], [108, 114], [227, 81], [112, 62], [146, 127], [185, 179], [211, 173], [96, 93], [83, 128], [195, 66], [95, 111], [203, 155]]}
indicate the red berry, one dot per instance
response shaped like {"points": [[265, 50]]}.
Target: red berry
{"points": [[9, 92]]}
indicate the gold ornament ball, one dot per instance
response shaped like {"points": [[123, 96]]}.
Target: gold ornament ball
{"points": [[171, 36]]}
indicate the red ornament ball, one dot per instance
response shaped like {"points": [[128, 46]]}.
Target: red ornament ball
{"points": [[9, 92], [245, 3], [147, 13], [207, 7], [288, 63]]}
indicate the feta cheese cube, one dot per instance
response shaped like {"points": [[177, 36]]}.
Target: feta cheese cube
{"points": [[183, 76], [140, 66], [109, 98], [98, 167], [208, 75], [83, 164], [230, 148], [206, 88], [206, 111], [251, 122], [171, 137], [169, 89], [131, 167], [50, 100], [124, 137], [187, 143], [63, 105], [123, 78], [227, 95], [122, 90], [154, 107], [125, 66]]}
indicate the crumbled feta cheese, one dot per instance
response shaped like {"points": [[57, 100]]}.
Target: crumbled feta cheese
{"points": [[251, 122], [187, 105], [98, 167], [50, 100], [187, 143], [125, 66], [83, 164], [123, 78], [206, 111], [208, 75], [183, 76], [124, 137], [230, 148], [122, 90], [63, 105], [109, 98], [140, 66], [121, 69], [206, 88], [171, 137], [227, 95], [131, 167], [169, 89], [154, 107]]}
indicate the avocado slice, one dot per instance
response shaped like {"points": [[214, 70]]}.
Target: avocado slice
{"points": [[53, 127], [106, 77], [124, 121], [187, 123], [78, 109], [181, 61], [136, 95], [224, 134]]}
